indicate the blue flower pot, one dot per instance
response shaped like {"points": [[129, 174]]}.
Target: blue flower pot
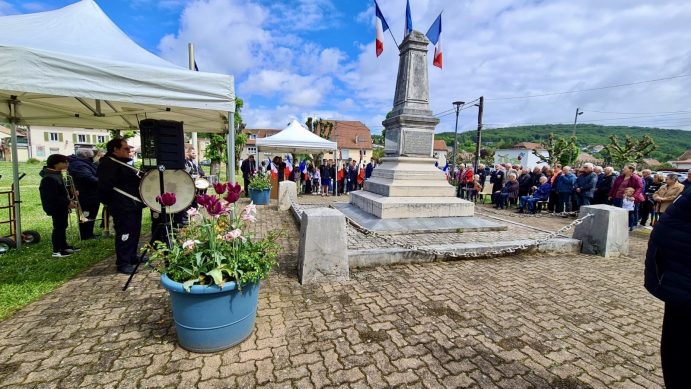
{"points": [[210, 318], [260, 197]]}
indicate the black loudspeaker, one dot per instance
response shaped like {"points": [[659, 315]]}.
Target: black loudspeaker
{"points": [[163, 143]]}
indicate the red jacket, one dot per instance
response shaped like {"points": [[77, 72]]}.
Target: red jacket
{"points": [[635, 182]]}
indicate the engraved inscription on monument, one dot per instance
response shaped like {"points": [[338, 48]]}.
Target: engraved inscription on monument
{"points": [[417, 143], [391, 142]]}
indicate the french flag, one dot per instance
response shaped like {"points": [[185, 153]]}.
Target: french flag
{"points": [[434, 35], [380, 26], [408, 20]]}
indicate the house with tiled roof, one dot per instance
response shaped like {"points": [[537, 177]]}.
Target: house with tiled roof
{"points": [[439, 150], [528, 146], [252, 135], [683, 162]]}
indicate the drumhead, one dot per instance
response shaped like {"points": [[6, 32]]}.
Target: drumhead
{"points": [[175, 181], [201, 183]]}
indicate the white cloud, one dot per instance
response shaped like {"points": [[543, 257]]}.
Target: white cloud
{"points": [[302, 91], [517, 48]]}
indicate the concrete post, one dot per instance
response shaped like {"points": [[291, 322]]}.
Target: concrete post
{"points": [[323, 251], [287, 193], [606, 233]]}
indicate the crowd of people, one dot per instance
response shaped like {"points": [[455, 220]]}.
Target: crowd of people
{"points": [[316, 179], [94, 179], [563, 189]]}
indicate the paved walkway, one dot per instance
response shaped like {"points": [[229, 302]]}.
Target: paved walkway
{"points": [[538, 321]]}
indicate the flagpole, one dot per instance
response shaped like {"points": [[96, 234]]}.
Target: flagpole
{"points": [[394, 38], [190, 49]]}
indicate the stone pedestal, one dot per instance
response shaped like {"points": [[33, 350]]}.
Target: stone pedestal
{"points": [[323, 252], [605, 233], [287, 193]]}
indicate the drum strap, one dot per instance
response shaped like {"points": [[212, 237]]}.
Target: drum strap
{"points": [[122, 192]]}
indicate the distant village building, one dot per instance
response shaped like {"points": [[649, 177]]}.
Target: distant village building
{"points": [[39, 142], [521, 154], [651, 163], [439, 151], [587, 158], [684, 161]]}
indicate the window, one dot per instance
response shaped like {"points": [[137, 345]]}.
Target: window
{"points": [[53, 136], [54, 150], [100, 139], [253, 136], [40, 151], [251, 150], [81, 138]]}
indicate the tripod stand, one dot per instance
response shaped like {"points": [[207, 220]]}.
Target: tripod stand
{"points": [[160, 228]]}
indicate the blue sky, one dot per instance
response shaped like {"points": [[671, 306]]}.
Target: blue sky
{"points": [[299, 58]]}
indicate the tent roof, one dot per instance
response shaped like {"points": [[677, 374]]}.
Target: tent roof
{"points": [[74, 67], [295, 139]]}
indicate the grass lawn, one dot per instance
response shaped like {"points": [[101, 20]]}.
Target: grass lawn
{"points": [[29, 273]]}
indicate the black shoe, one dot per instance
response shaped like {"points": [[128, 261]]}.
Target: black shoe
{"points": [[72, 249], [61, 254], [126, 269], [144, 259], [520, 211]]}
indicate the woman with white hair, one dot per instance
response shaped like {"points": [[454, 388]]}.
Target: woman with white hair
{"points": [[83, 172]]}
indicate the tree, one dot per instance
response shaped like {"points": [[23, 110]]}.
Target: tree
{"points": [[378, 154], [216, 151], [320, 127], [631, 151], [559, 150]]}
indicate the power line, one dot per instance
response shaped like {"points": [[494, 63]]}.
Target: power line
{"points": [[590, 89], [636, 113]]}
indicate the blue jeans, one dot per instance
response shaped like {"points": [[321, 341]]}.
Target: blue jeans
{"points": [[529, 201], [583, 200]]}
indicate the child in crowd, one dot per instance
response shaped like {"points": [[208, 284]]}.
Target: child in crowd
{"points": [[316, 182], [629, 204], [56, 202], [476, 188]]}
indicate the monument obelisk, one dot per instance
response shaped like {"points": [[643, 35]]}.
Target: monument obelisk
{"points": [[407, 184]]}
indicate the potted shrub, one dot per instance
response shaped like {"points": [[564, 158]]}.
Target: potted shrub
{"points": [[260, 188], [212, 269]]}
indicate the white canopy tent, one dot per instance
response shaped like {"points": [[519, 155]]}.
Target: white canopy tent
{"points": [[73, 67], [296, 139]]}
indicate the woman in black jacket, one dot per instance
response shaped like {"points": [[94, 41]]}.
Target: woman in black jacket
{"points": [[668, 277]]}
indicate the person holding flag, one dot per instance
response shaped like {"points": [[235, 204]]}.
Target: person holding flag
{"points": [[434, 35], [288, 169]]}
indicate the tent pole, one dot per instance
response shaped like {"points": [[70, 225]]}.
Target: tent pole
{"points": [[15, 174], [190, 49], [230, 148]]}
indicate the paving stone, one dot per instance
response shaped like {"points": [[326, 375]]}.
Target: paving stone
{"points": [[529, 320]]}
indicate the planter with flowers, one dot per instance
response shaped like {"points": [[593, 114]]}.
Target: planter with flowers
{"points": [[259, 188], [212, 269]]}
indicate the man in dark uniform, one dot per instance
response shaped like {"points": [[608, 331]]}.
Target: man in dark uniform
{"points": [[248, 168], [118, 188]]}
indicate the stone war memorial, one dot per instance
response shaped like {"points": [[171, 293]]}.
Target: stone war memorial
{"points": [[407, 193]]}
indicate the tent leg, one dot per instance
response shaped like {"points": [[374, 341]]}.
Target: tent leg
{"points": [[15, 180], [230, 148]]}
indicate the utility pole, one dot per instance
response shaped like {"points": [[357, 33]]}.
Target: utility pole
{"points": [[478, 141], [458, 105], [575, 120]]}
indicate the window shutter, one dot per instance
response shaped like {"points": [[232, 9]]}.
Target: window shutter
{"points": [[88, 139], [46, 136], [74, 138], [60, 136]]}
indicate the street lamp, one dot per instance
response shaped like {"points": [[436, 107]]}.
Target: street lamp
{"points": [[575, 120], [458, 105]]}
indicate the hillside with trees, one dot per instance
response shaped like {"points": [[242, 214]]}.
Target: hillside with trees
{"points": [[670, 143]]}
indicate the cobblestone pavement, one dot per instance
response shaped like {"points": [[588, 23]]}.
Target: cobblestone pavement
{"points": [[567, 321]]}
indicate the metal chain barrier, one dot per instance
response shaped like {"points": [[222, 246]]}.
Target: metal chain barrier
{"points": [[468, 254], [526, 214]]}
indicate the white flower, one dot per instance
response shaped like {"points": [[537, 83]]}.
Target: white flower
{"points": [[189, 244]]}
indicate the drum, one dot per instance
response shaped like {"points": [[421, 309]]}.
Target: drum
{"points": [[175, 181], [201, 183]]}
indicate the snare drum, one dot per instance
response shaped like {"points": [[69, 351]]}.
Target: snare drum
{"points": [[201, 183]]}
